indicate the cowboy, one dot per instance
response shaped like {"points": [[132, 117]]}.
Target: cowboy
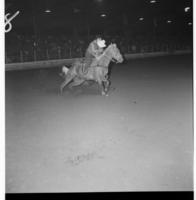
{"points": [[94, 50]]}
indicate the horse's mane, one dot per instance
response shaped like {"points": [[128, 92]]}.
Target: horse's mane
{"points": [[107, 49], [109, 46], [104, 56]]}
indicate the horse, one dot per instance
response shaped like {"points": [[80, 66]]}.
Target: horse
{"points": [[98, 71]]}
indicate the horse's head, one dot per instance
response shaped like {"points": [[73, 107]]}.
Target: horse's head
{"points": [[115, 53]]}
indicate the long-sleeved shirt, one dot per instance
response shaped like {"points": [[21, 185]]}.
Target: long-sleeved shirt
{"points": [[93, 50]]}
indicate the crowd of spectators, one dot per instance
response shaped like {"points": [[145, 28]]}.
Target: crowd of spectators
{"points": [[21, 48]]}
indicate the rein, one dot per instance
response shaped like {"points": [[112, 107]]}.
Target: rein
{"points": [[109, 57], [112, 59]]}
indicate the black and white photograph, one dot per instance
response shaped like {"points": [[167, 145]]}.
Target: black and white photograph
{"points": [[98, 96]]}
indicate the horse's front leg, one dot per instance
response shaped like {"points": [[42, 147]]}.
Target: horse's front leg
{"points": [[106, 85], [103, 91], [102, 87]]}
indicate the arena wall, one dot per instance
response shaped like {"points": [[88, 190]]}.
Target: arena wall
{"points": [[67, 62]]}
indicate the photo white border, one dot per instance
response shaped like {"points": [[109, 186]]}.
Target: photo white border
{"points": [[194, 90], [2, 102]]}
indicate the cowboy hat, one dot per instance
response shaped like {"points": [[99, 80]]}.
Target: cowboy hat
{"points": [[101, 43]]}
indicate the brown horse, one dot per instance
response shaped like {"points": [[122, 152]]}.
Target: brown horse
{"points": [[98, 71]]}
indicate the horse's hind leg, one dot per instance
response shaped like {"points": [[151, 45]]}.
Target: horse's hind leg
{"points": [[68, 78], [76, 81]]}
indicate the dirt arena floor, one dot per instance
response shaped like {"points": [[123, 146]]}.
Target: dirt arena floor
{"points": [[139, 138]]}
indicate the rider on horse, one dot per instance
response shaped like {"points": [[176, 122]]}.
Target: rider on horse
{"points": [[94, 50]]}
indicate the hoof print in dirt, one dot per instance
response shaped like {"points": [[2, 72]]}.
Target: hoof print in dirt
{"points": [[76, 160]]}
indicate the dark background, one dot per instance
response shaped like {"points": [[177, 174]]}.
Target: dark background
{"points": [[84, 16], [69, 27]]}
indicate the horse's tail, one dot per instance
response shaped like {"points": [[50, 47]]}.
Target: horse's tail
{"points": [[64, 71]]}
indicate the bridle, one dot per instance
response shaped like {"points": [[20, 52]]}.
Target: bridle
{"points": [[112, 59], [109, 57]]}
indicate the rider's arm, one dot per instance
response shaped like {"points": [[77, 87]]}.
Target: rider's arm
{"points": [[94, 50]]}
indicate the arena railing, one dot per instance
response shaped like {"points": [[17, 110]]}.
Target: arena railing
{"points": [[69, 61], [40, 54]]}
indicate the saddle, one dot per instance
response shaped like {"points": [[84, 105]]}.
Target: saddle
{"points": [[85, 65], [83, 69]]}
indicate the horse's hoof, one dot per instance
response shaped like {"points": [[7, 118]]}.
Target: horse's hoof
{"points": [[104, 94], [61, 92]]}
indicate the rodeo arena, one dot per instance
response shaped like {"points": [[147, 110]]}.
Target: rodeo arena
{"points": [[98, 95]]}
